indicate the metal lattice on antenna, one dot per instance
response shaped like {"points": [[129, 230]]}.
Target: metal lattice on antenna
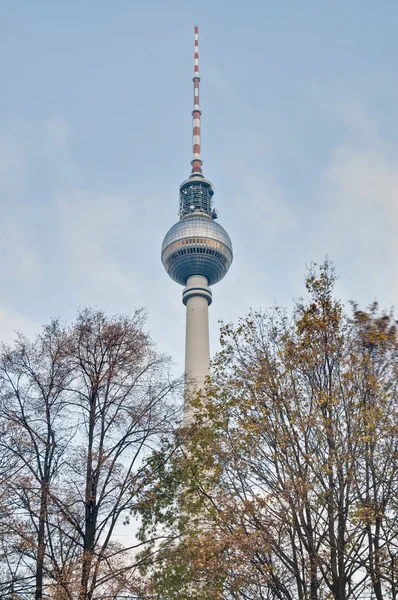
{"points": [[196, 113]]}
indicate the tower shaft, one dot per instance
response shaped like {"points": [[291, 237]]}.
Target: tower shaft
{"points": [[196, 297]]}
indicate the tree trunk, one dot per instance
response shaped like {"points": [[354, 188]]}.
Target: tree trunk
{"points": [[41, 540], [91, 506]]}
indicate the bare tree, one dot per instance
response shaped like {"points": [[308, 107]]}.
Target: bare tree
{"points": [[82, 406], [34, 416]]}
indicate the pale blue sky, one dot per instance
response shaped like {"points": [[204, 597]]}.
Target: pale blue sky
{"points": [[300, 138]]}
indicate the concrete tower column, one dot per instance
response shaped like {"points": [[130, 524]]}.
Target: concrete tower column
{"points": [[197, 297]]}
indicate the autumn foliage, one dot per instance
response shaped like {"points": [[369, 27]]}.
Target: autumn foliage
{"points": [[286, 484]]}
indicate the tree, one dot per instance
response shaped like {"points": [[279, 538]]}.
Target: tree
{"points": [[81, 407], [33, 410], [287, 485]]}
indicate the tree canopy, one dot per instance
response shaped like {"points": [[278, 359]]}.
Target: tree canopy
{"points": [[285, 486], [81, 406]]}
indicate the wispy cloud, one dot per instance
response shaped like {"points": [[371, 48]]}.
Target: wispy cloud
{"points": [[89, 231], [359, 188], [34, 160], [11, 323]]}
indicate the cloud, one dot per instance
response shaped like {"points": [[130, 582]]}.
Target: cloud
{"points": [[12, 159], [360, 191], [58, 132], [90, 228], [358, 197], [265, 204], [64, 246], [34, 162], [11, 323], [343, 204]]}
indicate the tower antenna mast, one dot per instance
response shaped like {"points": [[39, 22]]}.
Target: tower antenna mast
{"points": [[196, 113]]}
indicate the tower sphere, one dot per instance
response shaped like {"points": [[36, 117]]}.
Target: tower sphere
{"points": [[197, 245]]}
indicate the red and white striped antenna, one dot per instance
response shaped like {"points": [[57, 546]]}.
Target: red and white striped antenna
{"points": [[196, 161]]}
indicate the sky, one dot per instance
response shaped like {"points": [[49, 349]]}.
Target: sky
{"points": [[299, 137]]}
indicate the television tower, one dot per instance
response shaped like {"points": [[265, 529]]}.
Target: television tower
{"points": [[196, 252]]}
